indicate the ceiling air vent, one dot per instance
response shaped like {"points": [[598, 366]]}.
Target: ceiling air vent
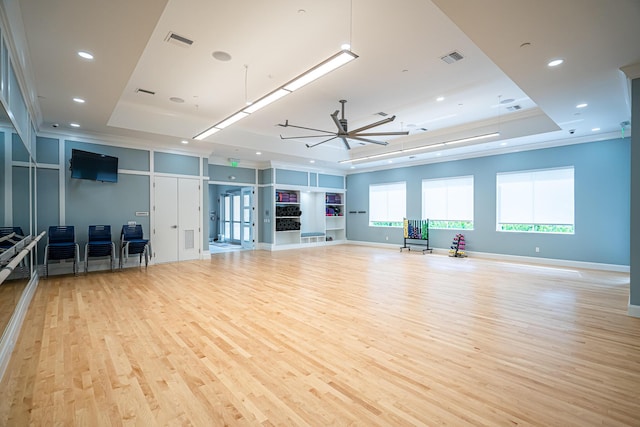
{"points": [[452, 57], [148, 92], [178, 40], [382, 113], [514, 107]]}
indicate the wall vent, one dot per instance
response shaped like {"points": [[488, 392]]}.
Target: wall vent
{"points": [[178, 40], [452, 57], [148, 92], [514, 107]]}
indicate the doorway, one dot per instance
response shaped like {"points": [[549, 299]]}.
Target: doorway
{"points": [[232, 225], [176, 235]]}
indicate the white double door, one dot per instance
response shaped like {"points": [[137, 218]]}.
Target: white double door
{"points": [[177, 235]]}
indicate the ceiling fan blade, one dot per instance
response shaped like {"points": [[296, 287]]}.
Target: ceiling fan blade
{"points": [[378, 133], [334, 116], [372, 125], [321, 142], [371, 141], [287, 125], [305, 136], [346, 144]]}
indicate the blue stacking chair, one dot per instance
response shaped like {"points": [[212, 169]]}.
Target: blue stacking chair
{"points": [[8, 242], [61, 245], [132, 242], [99, 245]]}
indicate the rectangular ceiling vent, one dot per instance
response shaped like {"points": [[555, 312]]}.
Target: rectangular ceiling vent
{"points": [[178, 40], [148, 92], [452, 57], [514, 107], [382, 113]]}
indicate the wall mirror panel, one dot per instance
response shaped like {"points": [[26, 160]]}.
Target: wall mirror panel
{"points": [[16, 210]]}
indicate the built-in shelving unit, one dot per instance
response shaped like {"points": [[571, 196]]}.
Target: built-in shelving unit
{"points": [[334, 217], [287, 215]]}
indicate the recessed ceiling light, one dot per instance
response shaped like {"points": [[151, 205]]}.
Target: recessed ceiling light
{"points": [[440, 98], [312, 161], [258, 153], [507, 101], [79, 100], [74, 125], [503, 144], [184, 141], [221, 56], [555, 62], [595, 129], [583, 105], [176, 99], [84, 54], [352, 167]]}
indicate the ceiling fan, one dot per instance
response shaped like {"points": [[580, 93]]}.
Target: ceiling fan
{"points": [[343, 133]]}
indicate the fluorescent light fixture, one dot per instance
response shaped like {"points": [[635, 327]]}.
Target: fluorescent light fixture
{"points": [[266, 100], [207, 133], [422, 147], [326, 66], [85, 54], [336, 61], [231, 120]]}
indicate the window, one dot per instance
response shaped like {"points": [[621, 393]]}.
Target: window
{"points": [[448, 202], [387, 204], [536, 201]]}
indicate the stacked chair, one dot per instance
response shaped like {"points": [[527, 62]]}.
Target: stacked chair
{"points": [[61, 245], [9, 236], [99, 245], [132, 242]]}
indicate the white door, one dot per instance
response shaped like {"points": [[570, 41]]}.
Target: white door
{"points": [[177, 213], [247, 222]]}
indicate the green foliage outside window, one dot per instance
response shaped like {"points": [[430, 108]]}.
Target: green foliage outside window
{"points": [[538, 228], [456, 225], [386, 224]]}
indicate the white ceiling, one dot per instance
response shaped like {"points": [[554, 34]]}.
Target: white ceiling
{"points": [[506, 45]]}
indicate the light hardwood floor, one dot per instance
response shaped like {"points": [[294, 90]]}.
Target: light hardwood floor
{"points": [[340, 335]]}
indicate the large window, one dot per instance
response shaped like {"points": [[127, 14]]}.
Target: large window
{"points": [[448, 202], [538, 201], [387, 204]]}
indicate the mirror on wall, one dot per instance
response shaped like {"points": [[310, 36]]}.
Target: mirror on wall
{"points": [[16, 210]]}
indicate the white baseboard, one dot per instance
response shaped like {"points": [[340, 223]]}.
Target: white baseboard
{"points": [[634, 310], [12, 331], [515, 258]]}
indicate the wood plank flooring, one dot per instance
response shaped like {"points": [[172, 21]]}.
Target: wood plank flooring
{"points": [[340, 335]]}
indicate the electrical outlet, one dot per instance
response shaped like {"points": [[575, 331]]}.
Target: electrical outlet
{"points": [[386, 238], [537, 249]]}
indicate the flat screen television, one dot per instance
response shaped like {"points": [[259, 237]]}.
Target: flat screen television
{"points": [[93, 166]]}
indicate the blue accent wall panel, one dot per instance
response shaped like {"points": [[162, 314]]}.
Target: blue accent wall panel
{"points": [[313, 179], [176, 164], [602, 186], [634, 249], [95, 203], [331, 181], [48, 194], [3, 187], [18, 149], [223, 173], [20, 198], [265, 215], [47, 150], [289, 177], [265, 176], [128, 158]]}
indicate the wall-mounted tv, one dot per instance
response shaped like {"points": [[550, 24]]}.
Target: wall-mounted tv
{"points": [[93, 166]]}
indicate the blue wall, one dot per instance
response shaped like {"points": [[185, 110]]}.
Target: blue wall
{"points": [[602, 187], [634, 291]]}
